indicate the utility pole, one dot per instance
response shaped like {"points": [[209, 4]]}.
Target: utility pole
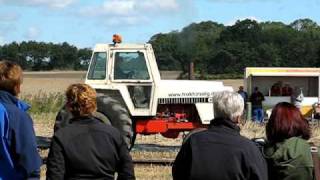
{"points": [[191, 71]]}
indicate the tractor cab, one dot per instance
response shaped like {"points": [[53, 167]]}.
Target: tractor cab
{"points": [[130, 69]]}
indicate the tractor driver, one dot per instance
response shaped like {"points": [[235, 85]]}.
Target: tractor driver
{"points": [[118, 68]]}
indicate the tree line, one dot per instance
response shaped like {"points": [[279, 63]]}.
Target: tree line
{"points": [[213, 48], [218, 49], [38, 56]]}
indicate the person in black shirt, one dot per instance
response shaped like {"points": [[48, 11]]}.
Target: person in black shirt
{"points": [[221, 152], [87, 148]]}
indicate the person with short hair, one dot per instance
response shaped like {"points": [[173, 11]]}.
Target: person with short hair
{"points": [[87, 148], [256, 99], [243, 94], [287, 151], [297, 97], [19, 158], [221, 152], [287, 90], [276, 89]]}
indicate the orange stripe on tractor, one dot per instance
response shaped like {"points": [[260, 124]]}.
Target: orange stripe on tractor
{"points": [[169, 128]]}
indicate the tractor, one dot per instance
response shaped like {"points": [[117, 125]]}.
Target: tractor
{"points": [[133, 98]]}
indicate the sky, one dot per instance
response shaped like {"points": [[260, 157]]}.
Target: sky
{"points": [[84, 23]]}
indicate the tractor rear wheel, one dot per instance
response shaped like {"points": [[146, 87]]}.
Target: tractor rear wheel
{"points": [[119, 117]]}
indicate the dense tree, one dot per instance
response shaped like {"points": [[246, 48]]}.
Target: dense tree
{"points": [[217, 49], [167, 51], [304, 25], [193, 44], [37, 56], [244, 31]]}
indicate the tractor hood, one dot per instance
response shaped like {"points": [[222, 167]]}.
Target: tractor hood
{"points": [[189, 88]]}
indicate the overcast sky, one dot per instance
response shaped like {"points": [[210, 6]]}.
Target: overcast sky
{"points": [[86, 22]]}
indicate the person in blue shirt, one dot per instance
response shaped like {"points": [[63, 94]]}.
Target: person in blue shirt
{"points": [[256, 99], [19, 158]]}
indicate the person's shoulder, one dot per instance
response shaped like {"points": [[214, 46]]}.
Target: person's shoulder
{"points": [[17, 114], [198, 133], [98, 125], [109, 129], [67, 132], [244, 140], [62, 131], [250, 149], [291, 148], [247, 144], [297, 143], [11, 108], [240, 141], [195, 136]]}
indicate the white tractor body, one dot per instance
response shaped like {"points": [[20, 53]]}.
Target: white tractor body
{"points": [[130, 72]]}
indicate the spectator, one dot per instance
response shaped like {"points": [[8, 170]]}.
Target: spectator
{"points": [[297, 97], [87, 148], [287, 90], [221, 152], [276, 89], [256, 100], [243, 94], [19, 158], [288, 152], [316, 111]]}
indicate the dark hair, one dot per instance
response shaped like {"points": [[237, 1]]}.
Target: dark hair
{"points": [[286, 121]]}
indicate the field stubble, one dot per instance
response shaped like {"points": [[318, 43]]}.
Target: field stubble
{"points": [[44, 123], [44, 91]]}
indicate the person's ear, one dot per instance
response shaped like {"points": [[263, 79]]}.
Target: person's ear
{"points": [[237, 120], [68, 106], [17, 89]]}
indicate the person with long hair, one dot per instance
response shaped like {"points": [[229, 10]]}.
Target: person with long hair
{"points": [[287, 151]]}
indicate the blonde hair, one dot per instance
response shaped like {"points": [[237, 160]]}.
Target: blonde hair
{"points": [[81, 99], [10, 76]]}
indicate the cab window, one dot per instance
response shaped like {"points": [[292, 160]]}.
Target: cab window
{"points": [[97, 68], [130, 66]]}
